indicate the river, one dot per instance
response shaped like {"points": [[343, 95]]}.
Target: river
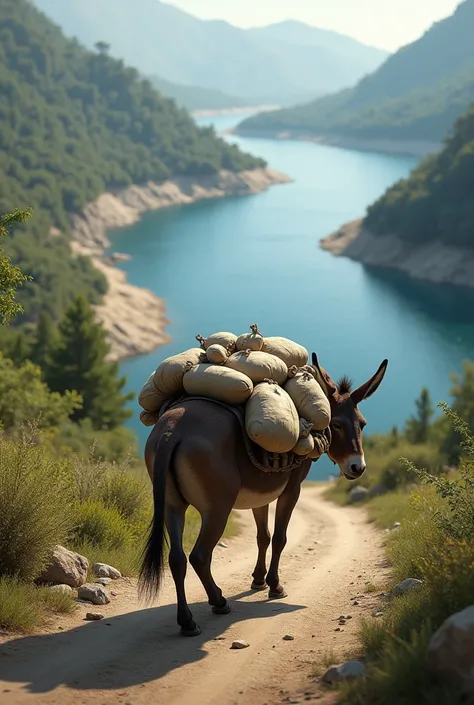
{"points": [[221, 265]]}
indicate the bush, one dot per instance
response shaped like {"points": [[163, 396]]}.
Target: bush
{"points": [[126, 492], [35, 506], [24, 607], [99, 525]]}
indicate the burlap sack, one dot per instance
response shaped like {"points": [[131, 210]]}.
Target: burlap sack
{"points": [[309, 399], [271, 419], [250, 341], [305, 446], [227, 340], [219, 383], [291, 353], [216, 354], [259, 366], [150, 398], [168, 377], [148, 418]]}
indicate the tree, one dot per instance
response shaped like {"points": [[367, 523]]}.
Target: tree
{"points": [[102, 47], [418, 426], [44, 342], [462, 392], [79, 362], [11, 277]]}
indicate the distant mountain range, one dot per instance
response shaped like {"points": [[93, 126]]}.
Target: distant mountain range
{"points": [[416, 94], [280, 64]]}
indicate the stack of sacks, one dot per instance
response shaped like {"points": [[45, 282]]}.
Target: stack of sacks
{"points": [[270, 377]]}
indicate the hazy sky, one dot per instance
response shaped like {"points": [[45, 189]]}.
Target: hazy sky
{"points": [[385, 23]]}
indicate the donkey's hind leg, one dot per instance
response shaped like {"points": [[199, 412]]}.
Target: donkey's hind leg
{"points": [[214, 521], [175, 517], [263, 541]]}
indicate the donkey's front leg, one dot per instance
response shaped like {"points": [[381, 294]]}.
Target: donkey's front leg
{"points": [[285, 505]]}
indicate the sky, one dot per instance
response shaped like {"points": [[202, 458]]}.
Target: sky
{"points": [[387, 24]]}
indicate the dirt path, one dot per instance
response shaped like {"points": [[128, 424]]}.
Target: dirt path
{"points": [[136, 656]]}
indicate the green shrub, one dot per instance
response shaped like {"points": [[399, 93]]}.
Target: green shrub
{"points": [[35, 506], [24, 607], [125, 491], [100, 525]]}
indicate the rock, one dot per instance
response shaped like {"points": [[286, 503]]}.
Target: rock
{"points": [[103, 581], [102, 570], [358, 494], [240, 644], [94, 616], [84, 602], [64, 589], [93, 593], [396, 525], [406, 586], [222, 544], [451, 650], [344, 671], [288, 637], [65, 568], [378, 490]]}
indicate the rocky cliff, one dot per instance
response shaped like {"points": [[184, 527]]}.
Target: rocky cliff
{"points": [[434, 262]]}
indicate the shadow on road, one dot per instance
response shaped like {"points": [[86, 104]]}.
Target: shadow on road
{"points": [[125, 650]]}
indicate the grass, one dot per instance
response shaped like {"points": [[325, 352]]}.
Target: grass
{"points": [[25, 607]]}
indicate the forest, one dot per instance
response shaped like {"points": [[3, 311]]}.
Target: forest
{"points": [[74, 124], [435, 202]]}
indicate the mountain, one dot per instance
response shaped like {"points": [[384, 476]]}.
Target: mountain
{"points": [[415, 95], [74, 124], [269, 65], [195, 97]]}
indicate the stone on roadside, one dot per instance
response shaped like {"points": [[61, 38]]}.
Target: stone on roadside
{"points": [[344, 671], [103, 581], [65, 568], [102, 570], [222, 544], [358, 494], [288, 637], [94, 616], [61, 589], [240, 644], [93, 593], [451, 650], [406, 586]]}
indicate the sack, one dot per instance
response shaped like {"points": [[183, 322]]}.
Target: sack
{"points": [[250, 341], [305, 446], [259, 366], [227, 340], [148, 418], [216, 354], [309, 399], [168, 377], [291, 353], [271, 419], [150, 398], [219, 383]]}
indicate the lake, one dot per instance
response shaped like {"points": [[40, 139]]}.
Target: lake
{"points": [[222, 265]]}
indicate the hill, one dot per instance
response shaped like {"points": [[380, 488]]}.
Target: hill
{"points": [[416, 94], [269, 65], [74, 124], [196, 97]]}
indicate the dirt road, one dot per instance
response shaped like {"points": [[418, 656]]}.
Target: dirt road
{"points": [[136, 656]]}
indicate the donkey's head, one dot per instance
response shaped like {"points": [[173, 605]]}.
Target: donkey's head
{"points": [[347, 423]]}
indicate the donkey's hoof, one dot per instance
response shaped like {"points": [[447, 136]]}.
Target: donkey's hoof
{"points": [[258, 586], [223, 609], [191, 630], [278, 594]]}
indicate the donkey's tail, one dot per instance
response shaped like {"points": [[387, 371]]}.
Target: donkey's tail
{"points": [[151, 571]]}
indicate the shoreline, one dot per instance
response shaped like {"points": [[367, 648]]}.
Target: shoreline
{"points": [[135, 318], [414, 148], [434, 262]]}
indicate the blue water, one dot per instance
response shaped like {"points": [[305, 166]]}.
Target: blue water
{"points": [[221, 265]]}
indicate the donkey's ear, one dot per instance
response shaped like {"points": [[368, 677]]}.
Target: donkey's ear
{"points": [[326, 383], [366, 390]]}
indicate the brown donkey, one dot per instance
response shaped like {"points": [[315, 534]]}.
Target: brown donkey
{"points": [[196, 456]]}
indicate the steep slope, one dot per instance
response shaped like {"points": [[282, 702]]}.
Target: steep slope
{"points": [[415, 94], [72, 125], [195, 97], [423, 225], [162, 40]]}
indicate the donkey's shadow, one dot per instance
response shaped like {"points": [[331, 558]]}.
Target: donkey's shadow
{"points": [[123, 651]]}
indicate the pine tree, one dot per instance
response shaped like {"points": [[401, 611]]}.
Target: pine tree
{"points": [[418, 426], [10, 277], [45, 340], [79, 363]]}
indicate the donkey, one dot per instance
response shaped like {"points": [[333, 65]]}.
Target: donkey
{"points": [[195, 455]]}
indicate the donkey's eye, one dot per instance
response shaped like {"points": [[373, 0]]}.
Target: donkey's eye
{"points": [[336, 426]]}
